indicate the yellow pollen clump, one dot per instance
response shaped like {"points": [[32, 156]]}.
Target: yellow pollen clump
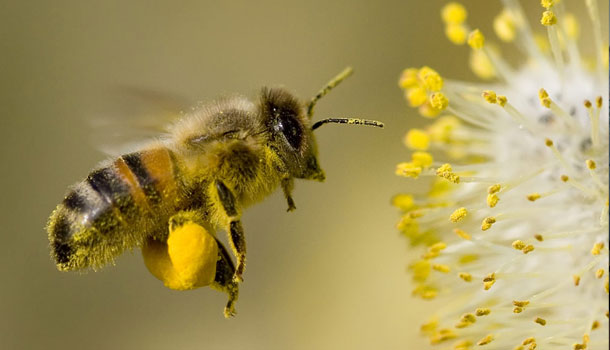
{"points": [[547, 3], [591, 164], [476, 40], [518, 244], [416, 96], [501, 100], [454, 13], [494, 188], [431, 80], [532, 197], [492, 200], [570, 26], [456, 33], [488, 339], [487, 223], [548, 18], [445, 171], [463, 234], [540, 321], [504, 26], [423, 159], [408, 78], [576, 280], [521, 303], [528, 248], [417, 139], [539, 237], [482, 311], [599, 273], [408, 169], [439, 101], [458, 214], [441, 268], [403, 202], [597, 248], [489, 96], [465, 276]]}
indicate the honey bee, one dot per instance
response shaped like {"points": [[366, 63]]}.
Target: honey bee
{"points": [[171, 196]]}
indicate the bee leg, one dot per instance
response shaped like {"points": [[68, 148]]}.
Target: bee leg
{"points": [[287, 187], [223, 281], [235, 230]]}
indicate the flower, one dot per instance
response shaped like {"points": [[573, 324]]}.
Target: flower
{"points": [[514, 228]]}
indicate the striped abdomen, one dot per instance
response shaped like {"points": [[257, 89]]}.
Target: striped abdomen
{"points": [[114, 209]]}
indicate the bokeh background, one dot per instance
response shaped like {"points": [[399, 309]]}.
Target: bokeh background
{"points": [[329, 275]]}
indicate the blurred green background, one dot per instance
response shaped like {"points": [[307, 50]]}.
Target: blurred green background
{"points": [[329, 275]]}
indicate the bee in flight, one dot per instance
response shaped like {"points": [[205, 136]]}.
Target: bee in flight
{"points": [[171, 196]]}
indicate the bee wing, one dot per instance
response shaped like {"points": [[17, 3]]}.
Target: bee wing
{"points": [[132, 116]]}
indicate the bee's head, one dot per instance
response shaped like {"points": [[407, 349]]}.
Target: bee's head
{"points": [[291, 132]]}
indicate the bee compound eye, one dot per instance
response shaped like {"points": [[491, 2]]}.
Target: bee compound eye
{"points": [[291, 129]]}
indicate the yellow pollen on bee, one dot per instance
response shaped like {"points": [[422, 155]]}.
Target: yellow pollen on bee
{"points": [[476, 40], [456, 33], [486, 340], [540, 321], [547, 3], [454, 13], [408, 78], [441, 268], [501, 100], [521, 303], [458, 214], [445, 171], [439, 101], [494, 188], [528, 248], [504, 26], [490, 96], [492, 200], [595, 325], [465, 276], [518, 244], [532, 197], [599, 273], [548, 18], [417, 139], [463, 234], [408, 169], [576, 279], [423, 159], [482, 311], [597, 248], [539, 237], [487, 223]]}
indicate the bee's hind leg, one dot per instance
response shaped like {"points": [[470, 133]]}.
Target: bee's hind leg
{"points": [[235, 229], [223, 281], [287, 187]]}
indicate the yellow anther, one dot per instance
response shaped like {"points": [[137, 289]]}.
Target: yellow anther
{"points": [[504, 26], [487, 285], [458, 214], [437, 247], [547, 3], [420, 269], [528, 248], [403, 202], [532, 197], [456, 33], [445, 171], [521, 303], [426, 110], [587, 104], [595, 325], [439, 101], [416, 96], [548, 18], [576, 279], [599, 101], [579, 346], [607, 286], [443, 335], [494, 188], [591, 164], [408, 169], [490, 277], [489, 96], [518, 244], [488, 339], [469, 318], [408, 78], [441, 268], [430, 78], [540, 321], [597, 248], [423, 159], [492, 200], [482, 311], [599, 273], [454, 13], [501, 100], [462, 234], [570, 26], [476, 40], [564, 178], [465, 276], [463, 345], [417, 139], [487, 223], [480, 64], [429, 327], [585, 338], [545, 102], [542, 93], [548, 142], [529, 340], [539, 237], [517, 310]]}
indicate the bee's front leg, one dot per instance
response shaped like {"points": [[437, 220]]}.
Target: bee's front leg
{"points": [[235, 229], [287, 186]]}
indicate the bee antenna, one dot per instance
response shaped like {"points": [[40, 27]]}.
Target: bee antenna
{"points": [[329, 86], [352, 121]]}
